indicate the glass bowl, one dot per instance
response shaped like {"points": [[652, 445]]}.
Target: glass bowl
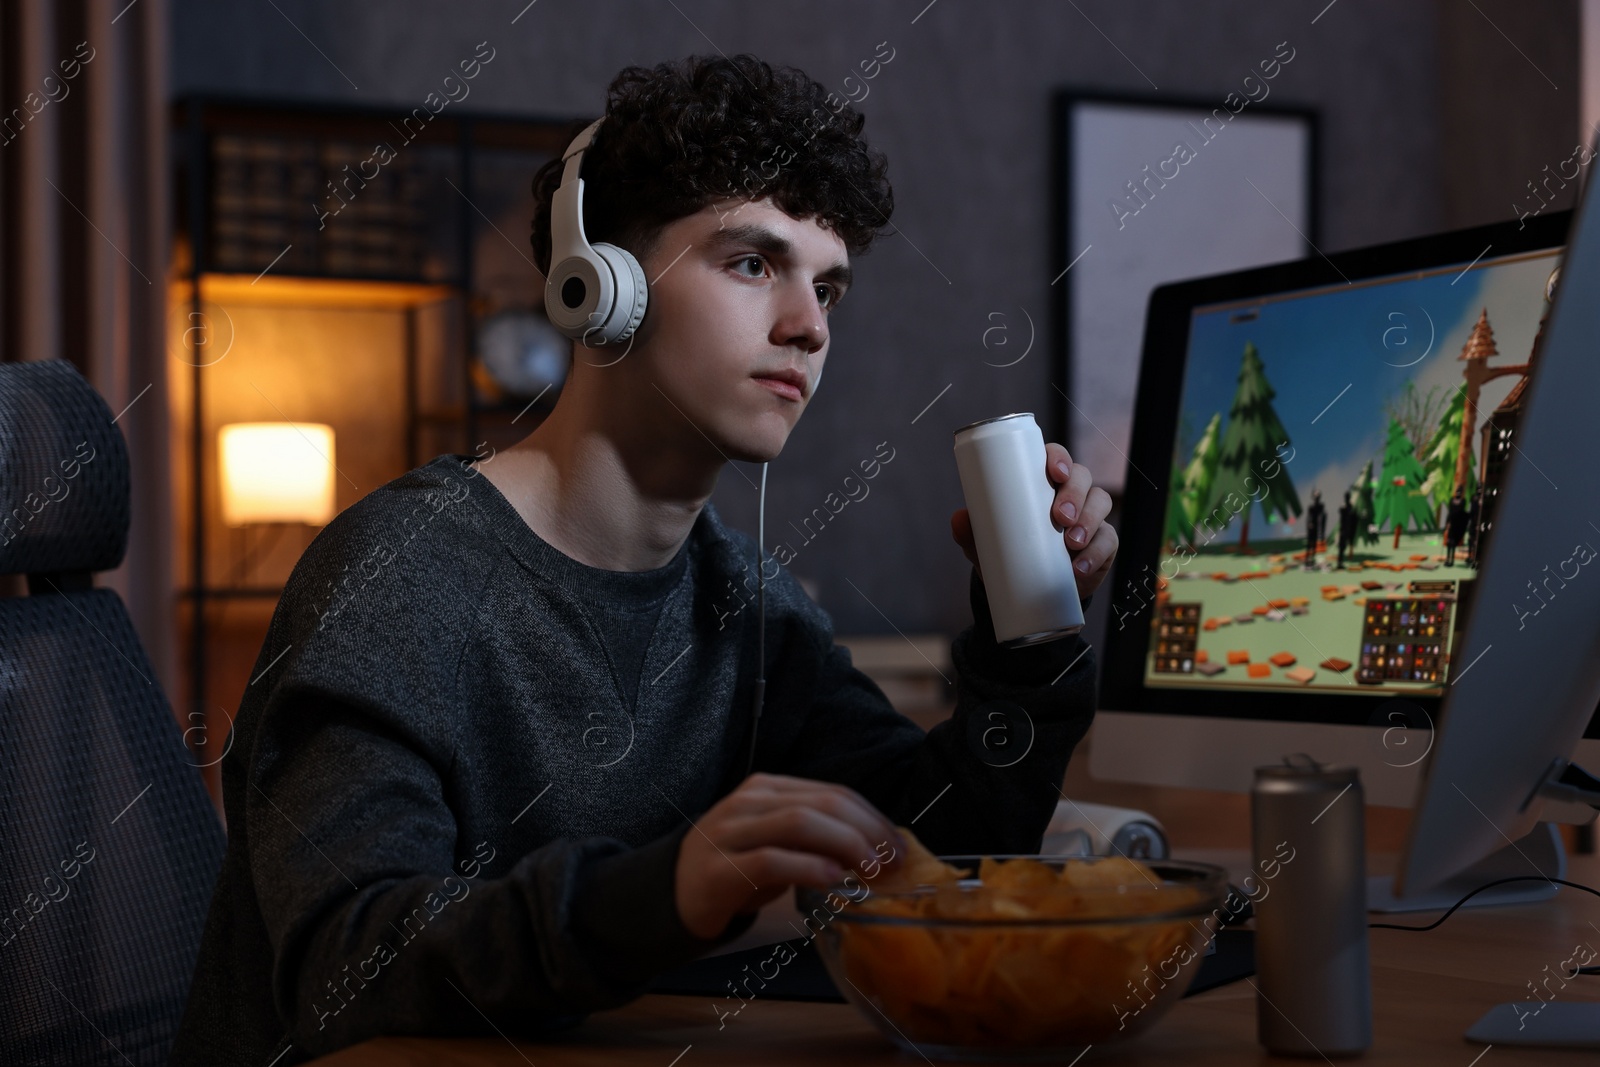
{"points": [[968, 972]]}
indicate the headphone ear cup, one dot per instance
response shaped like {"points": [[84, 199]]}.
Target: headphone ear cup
{"points": [[632, 296], [580, 295]]}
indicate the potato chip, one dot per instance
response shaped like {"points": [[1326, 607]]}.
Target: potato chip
{"points": [[1020, 873], [1109, 871], [917, 867], [905, 958]]}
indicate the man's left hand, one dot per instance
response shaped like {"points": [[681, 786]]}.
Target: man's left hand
{"points": [[1078, 513]]}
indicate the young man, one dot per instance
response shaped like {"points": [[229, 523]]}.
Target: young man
{"points": [[491, 775]]}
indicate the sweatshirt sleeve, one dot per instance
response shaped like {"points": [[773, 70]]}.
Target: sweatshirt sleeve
{"points": [[987, 779], [382, 923]]}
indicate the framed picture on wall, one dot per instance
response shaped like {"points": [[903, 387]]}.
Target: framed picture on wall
{"points": [[1153, 190]]}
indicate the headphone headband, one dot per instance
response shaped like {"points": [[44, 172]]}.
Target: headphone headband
{"points": [[573, 157]]}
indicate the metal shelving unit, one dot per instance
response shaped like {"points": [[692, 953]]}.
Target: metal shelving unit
{"points": [[310, 205]]}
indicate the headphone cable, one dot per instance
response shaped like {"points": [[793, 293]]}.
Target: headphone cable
{"points": [[761, 635]]}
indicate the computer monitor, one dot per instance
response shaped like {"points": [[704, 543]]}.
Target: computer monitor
{"points": [[1399, 375], [1506, 736]]}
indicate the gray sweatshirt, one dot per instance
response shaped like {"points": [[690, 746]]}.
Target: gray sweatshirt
{"points": [[455, 799]]}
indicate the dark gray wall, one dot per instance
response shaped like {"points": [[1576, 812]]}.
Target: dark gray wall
{"points": [[1431, 119]]}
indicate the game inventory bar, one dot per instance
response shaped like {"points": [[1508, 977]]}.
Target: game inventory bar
{"points": [[1177, 633], [1403, 639]]}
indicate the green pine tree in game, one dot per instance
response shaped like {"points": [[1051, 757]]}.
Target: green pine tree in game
{"points": [[1201, 473], [1366, 508], [1439, 458], [1179, 524], [1250, 451], [1400, 498]]}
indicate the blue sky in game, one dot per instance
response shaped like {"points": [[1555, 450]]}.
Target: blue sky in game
{"points": [[1371, 338]]}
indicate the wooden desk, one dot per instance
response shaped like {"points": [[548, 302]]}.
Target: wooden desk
{"points": [[1427, 988]]}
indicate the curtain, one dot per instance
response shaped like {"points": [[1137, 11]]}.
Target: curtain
{"points": [[84, 237]]}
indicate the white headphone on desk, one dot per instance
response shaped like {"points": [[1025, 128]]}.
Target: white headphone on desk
{"points": [[595, 293]]}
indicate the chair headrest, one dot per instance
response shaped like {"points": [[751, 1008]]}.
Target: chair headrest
{"points": [[63, 473]]}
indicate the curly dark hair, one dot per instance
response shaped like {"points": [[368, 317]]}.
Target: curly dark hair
{"points": [[692, 131]]}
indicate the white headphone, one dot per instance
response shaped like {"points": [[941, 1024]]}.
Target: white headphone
{"points": [[595, 293]]}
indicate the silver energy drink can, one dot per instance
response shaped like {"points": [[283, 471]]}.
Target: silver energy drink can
{"points": [[1313, 988], [1027, 572]]}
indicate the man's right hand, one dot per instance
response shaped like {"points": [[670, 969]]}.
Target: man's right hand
{"points": [[770, 833]]}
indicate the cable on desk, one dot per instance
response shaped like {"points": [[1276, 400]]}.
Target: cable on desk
{"points": [[1491, 885]]}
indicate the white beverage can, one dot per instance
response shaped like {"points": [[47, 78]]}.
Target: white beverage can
{"points": [[1026, 569]]}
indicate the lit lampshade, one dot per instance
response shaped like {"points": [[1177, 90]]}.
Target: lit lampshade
{"points": [[277, 472]]}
